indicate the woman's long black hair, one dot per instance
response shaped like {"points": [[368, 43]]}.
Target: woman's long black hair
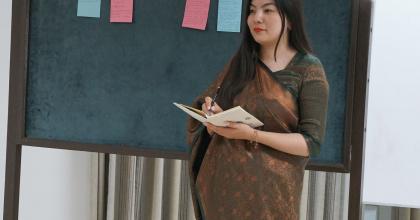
{"points": [[243, 64]]}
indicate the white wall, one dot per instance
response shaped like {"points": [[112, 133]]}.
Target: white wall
{"points": [[392, 154], [55, 184], [5, 14]]}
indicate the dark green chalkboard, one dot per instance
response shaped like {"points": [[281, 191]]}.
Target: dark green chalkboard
{"points": [[94, 82]]}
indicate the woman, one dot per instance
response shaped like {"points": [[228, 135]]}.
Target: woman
{"points": [[248, 173]]}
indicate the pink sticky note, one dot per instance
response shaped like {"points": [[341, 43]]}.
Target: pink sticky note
{"points": [[196, 14], [122, 11]]}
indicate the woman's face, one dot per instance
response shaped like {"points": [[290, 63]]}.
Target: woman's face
{"points": [[264, 22]]}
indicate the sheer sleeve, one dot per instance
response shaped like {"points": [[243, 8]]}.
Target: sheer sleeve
{"points": [[313, 104]]}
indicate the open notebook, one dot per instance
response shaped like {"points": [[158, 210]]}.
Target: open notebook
{"points": [[235, 114]]}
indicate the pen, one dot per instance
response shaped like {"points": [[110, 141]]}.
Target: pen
{"points": [[214, 99]]}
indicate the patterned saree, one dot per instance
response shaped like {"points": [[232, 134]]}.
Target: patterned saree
{"points": [[234, 179]]}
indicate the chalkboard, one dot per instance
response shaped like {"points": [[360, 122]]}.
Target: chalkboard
{"points": [[90, 81]]}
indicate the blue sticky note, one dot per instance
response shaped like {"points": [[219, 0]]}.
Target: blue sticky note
{"points": [[229, 16], [89, 8]]}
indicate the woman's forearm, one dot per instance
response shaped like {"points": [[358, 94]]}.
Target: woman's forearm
{"points": [[292, 143]]}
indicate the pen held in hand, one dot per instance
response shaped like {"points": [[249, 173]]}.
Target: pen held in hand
{"points": [[214, 100]]}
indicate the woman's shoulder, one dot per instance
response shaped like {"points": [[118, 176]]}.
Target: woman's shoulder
{"points": [[310, 67], [309, 60]]}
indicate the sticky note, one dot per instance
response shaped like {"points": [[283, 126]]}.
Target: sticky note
{"points": [[229, 15], [89, 8], [121, 11], [196, 14]]}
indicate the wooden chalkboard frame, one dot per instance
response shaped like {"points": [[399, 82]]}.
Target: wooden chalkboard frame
{"points": [[354, 122]]}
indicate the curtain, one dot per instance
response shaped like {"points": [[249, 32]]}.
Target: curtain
{"points": [[129, 187], [375, 212], [98, 186], [154, 188]]}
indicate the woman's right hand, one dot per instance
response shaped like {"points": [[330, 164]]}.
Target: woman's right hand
{"points": [[206, 108]]}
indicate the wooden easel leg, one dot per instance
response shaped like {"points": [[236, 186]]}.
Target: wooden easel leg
{"points": [[355, 193], [359, 111], [12, 182]]}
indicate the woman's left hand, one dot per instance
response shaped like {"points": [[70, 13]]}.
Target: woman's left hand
{"points": [[234, 130]]}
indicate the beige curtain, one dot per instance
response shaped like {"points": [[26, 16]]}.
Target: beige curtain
{"points": [[139, 188], [128, 188], [98, 171], [154, 189], [373, 212]]}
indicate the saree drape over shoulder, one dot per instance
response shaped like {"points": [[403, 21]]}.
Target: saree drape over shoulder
{"points": [[239, 181]]}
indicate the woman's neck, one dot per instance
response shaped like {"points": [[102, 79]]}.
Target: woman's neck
{"points": [[284, 54]]}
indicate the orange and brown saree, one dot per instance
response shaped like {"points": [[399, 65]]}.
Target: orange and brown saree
{"points": [[234, 179]]}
